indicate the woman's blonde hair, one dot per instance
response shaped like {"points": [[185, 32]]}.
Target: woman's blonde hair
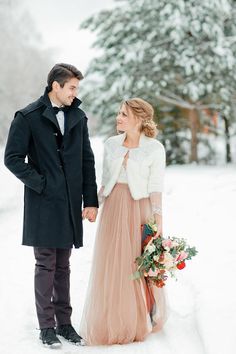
{"points": [[145, 112]]}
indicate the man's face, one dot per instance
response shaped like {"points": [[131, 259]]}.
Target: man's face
{"points": [[66, 94]]}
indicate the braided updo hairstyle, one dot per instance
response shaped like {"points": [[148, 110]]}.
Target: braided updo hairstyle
{"points": [[145, 112]]}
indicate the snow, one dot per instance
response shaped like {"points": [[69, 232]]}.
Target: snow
{"points": [[198, 205]]}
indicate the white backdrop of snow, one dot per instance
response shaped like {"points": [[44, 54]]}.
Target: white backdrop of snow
{"points": [[199, 204]]}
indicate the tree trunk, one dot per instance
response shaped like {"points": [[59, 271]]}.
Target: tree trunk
{"points": [[194, 124], [228, 157]]}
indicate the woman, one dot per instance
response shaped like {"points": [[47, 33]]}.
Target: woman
{"points": [[119, 309]]}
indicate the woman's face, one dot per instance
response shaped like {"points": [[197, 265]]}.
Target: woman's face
{"points": [[126, 120]]}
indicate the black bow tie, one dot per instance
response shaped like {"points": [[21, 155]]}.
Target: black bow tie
{"points": [[58, 109]]}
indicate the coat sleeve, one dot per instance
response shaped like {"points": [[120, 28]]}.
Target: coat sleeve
{"points": [[17, 148], [90, 198], [157, 170]]}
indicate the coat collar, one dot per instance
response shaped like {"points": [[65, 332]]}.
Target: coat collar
{"points": [[73, 115], [142, 140]]}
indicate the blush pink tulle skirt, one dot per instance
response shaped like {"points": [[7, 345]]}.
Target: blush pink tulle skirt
{"points": [[118, 309]]}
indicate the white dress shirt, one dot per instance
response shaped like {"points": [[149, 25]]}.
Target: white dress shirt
{"points": [[60, 118]]}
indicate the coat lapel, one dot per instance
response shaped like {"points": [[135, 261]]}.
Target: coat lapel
{"points": [[73, 117], [49, 114]]}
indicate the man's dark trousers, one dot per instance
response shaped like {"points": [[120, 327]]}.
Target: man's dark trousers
{"points": [[52, 286]]}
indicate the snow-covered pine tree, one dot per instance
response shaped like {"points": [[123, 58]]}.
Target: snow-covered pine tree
{"points": [[172, 52]]}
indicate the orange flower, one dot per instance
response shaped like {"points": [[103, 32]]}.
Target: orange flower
{"points": [[160, 283]]}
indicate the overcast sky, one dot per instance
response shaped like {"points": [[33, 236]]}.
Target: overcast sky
{"points": [[58, 21]]}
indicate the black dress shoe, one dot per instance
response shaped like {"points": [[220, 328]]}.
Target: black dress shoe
{"points": [[70, 334], [49, 338]]}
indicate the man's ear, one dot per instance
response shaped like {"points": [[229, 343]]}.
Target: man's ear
{"points": [[55, 86]]}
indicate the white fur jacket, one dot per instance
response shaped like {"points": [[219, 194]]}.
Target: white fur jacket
{"points": [[145, 165]]}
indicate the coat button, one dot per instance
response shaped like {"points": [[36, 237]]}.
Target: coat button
{"points": [[58, 150]]}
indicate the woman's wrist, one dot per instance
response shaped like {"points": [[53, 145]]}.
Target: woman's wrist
{"points": [[158, 218], [156, 210]]}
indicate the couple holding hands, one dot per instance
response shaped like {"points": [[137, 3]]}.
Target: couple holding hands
{"points": [[48, 149]]}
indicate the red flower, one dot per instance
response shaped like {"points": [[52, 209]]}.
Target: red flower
{"points": [[181, 265]]}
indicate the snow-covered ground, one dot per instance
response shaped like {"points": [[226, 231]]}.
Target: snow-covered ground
{"points": [[199, 204]]}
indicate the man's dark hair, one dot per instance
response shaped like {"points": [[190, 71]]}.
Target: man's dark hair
{"points": [[62, 73]]}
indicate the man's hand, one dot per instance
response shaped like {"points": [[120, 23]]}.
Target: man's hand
{"points": [[90, 213]]}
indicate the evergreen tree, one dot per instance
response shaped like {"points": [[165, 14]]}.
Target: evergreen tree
{"points": [[179, 53]]}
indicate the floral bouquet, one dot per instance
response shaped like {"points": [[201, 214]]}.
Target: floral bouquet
{"points": [[161, 257]]}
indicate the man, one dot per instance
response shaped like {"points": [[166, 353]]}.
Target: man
{"points": [[58, 175]]}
